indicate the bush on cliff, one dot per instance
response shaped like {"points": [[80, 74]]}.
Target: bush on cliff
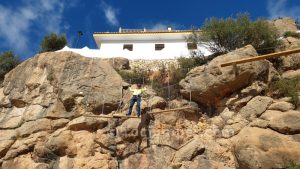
{"points": [[53, 42], [166, 83], [287, 88], [292, 165], [8, 61], [224, 35], [291, 34], [133, 76]]}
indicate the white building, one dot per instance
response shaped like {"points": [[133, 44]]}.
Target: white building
{"points": [[141, 44]]}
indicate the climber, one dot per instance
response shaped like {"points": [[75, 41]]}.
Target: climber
{"points": [[136, 97]]}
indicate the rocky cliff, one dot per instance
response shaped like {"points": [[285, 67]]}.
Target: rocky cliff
{"points": [[50, 106], [284, 25]]}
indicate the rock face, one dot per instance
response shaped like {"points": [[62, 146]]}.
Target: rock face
{"points": [[255, 107], [263, 148], [291, 43], [281, 106], [291, 62], [285, 24], [119, 63], [291, 74], [189, 151], [64, 83], [49, 106], [41, 96], [286, 123], [210, 84]]}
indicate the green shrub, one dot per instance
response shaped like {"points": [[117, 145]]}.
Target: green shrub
{"points": [[168, 87], [292, 165], [175, 167], [160, 88], [133, 76], [159, 83], [288, 88], [53, 42], [50, 77], [8, 61], [291, 34], [177, 74], [224, 35], [191, 62]]}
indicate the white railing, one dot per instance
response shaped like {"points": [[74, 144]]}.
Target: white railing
{"points": [[132, 30], [148, 30]]}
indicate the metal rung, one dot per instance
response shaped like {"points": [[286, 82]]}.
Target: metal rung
{"points": [[169, 110], [111, 116]]}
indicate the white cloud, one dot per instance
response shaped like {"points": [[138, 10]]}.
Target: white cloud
{"points": [[30, 19], [160, 26], [279, 8], [110, 13], [163, 25]]}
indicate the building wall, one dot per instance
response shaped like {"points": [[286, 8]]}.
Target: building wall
{"points": [[111, 45], [146, 49]]}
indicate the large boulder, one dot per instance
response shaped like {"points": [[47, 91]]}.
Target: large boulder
{"points": [[98, 160], [87, 123], [31, 127], [130, 129], [119, 63], [23, 161], [291, 62], [255, 107], [71, 143], [64, 78], [284, 25], [23, 145], [41, 106], [169, 117], [202, 162], [157, 102], [264, 148], [11, 118], [8, 137], [291, 74], [154, 157], [286, 123], [281, 106], [209, 84], [189, 151], [291, 43]]}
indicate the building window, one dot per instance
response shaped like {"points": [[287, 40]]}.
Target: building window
{"points": [[159, 46], [192, 46], [128, 47]]}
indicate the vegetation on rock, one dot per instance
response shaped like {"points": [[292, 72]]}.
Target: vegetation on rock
{"points": [[191, 62], [291, 34], [43, 125], [225, 35], [160, 80], [133, 76], [53, 42], [8, 61], [292, 165], [287, 88]]}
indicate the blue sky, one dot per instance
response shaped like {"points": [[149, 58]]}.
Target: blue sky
{"points": [[23, 23]]}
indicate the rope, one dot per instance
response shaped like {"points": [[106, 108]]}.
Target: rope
{"points": [[169, 90], [102, 108], [160, 88], [259, 49], [190, 95], [121, 101]]}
